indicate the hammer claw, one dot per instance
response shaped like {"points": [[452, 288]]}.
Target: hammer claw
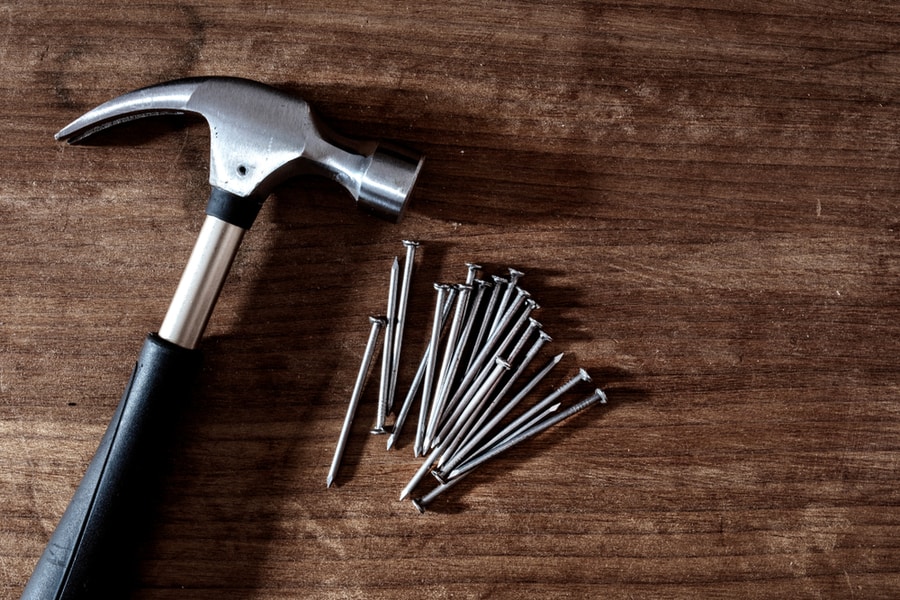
{"points": [[162, 99]]}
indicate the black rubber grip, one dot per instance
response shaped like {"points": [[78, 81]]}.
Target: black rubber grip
{"points": [[234, 209], [91, 553]]}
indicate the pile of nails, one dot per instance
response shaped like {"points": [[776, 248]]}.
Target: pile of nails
{"points": [[467, 385]]}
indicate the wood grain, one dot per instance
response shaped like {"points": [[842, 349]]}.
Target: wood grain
{"points": [[704, 198]]}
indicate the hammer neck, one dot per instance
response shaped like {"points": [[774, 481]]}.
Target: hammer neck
{"points": [[234, 209], [201, 282]]}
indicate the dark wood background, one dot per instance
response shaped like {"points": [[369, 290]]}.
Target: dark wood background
{"points": [[703, 196]]}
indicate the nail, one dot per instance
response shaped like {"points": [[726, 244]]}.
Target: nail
{"points": [[581, 376], [457, 435], [402, 306], [487, 319], [469, 343], [416, 383], [598, 395], [537, 418], [478, 431], [420, 473], [377, 324], [483, 430], [533, 325], [462, 344], [460, 398], [514, 277], [440, 397], [431, 365], [387, 356], [475, 368], [439, 449]]}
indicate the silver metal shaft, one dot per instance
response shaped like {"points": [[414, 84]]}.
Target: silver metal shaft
{"points": [[440, 394], [402, 306], [487, 319], [430, 367], [201, 282], [377, 324], [387, 357]]}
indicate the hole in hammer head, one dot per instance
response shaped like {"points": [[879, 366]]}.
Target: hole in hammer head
{"points": [[241, 170]]}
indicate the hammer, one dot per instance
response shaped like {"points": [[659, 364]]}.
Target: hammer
{"points": [[260, 137]]}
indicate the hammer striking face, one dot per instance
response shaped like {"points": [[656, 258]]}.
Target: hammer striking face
{"points": [[259, 138]]}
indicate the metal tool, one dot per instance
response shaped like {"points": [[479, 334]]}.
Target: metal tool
{"points": [[377, 324], [259, 138]]}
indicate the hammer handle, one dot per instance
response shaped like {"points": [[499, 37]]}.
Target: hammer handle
{"points": [[91, 552]]}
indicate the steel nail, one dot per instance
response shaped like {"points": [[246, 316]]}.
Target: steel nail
{"points": [[462, 343], [402, 306], [431, 365], [487, 319], [497, 398], [514, 276], [516, 424], [484, 354], [416, 383], [388, 355], [460, 398], [598, 395], [458, 434], [377, 324], [480, 430], [440, 396], [440, 448], [533, 325]]}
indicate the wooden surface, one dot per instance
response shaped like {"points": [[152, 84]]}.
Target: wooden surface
{"points": [[703, 196]]}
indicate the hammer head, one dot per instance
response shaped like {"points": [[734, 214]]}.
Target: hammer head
{"points": [[261, 136]]}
